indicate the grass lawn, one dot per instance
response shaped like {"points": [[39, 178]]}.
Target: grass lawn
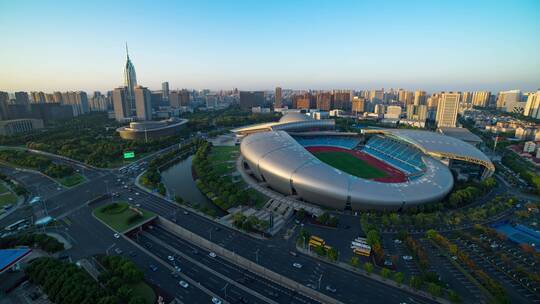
{"points": [[118, 216], [349, 164], [7, 198], [142, 289], [72, 180], [222, 153]]}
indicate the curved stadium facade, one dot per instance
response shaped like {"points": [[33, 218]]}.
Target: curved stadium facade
{"points": [[382, 169]]}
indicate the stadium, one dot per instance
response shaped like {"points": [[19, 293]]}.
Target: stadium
{"points": [[377, 169]]}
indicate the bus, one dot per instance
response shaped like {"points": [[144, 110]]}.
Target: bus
{"points": [[314, 243], [362, 252], [316, 238], [16, 225], [363, 245], [361, 240]]}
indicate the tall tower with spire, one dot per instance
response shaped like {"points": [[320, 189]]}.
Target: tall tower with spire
{"points": [[130, 80]]}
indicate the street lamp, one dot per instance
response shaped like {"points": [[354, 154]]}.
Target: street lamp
{"points": [[257, 255]]}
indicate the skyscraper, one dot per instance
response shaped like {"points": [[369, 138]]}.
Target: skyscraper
{"points": [[4, 97], [358, 104], [21, 98], [130, 81], [419, 98], [447, 110], [165, 90], [480, 98], [277, 98], [143, 103], [507, 100]]}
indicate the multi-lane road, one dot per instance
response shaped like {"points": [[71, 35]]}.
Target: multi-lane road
{"points": [[91, 237]]}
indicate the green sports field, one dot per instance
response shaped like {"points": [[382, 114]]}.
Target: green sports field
{"points": [[350, 164]]}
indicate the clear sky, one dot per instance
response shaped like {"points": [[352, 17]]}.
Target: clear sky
{"points": [[431, 45]]}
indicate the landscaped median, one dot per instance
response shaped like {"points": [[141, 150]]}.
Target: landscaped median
{"points": [[63, 174], [120, 216]]}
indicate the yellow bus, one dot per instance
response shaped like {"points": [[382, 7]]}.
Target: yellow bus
{"points": [[316, 238], [362, 251], [314, 243]]}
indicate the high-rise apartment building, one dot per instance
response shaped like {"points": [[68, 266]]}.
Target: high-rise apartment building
{"points": [[179, 99], [122, 106], [38, 97], [532, 108], [417, 112], [419, 98], [165, 90], [377, 95], [447, 110], [324, 101], [358, 105], [304, 101], [250, 99], [507, 100], [342, 100], [4, 98], [393, 112], [143, 103], [57, 97], [277, 98], [481, 98]]}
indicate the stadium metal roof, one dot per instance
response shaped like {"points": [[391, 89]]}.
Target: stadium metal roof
{"points": [[439, 145], [286, 166]]}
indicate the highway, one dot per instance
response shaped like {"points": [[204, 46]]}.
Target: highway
{"points": [[91, 237]]}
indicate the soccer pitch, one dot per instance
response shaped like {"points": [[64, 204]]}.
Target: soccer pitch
{"points": [[350, 164]]}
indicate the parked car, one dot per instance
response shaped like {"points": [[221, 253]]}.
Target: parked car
{"points": [[212, 254], [216, 300], [330, 288], [297, 265], [183, 284]]}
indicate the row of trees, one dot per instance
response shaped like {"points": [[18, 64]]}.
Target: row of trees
{"points": [[36, 162], [328, 220], [512, 161], [65, 283], [33, 240], [221, 190], [494, 287], [468, 194], [418, 252]]}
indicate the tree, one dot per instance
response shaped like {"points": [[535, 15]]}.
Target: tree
{"points": [[398, 277], [385, 273], [415, 282], [454, 296], [332, 254], [373, 237], [368, 267], [434, 289], [355, 261]]}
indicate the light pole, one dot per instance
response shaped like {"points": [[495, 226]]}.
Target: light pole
{"points": [[320, 279], [210, 231], [257, 255]]}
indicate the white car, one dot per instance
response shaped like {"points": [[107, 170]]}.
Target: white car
{"points": [[297, 265], [116, 236], [130, 199], [177, 269], [136, 193], [183, 284], [216, 300], [170, 258], [407, 257], [212, 254]]}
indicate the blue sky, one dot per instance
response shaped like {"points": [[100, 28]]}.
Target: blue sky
{"points": [[431, 45]]}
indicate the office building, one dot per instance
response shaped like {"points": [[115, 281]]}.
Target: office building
{"points": [[250, 99], [277, 98], [165, 90], [532, 108], [393, 112], [447, 110], [121, 104], [16, 126], [143, 103]]}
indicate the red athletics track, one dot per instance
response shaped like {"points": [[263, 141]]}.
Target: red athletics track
{"points": [[394, 175]]}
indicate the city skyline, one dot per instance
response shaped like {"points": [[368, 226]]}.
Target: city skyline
{"points": [[250, 46]]}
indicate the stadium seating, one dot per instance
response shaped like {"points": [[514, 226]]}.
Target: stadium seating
{"points": [[329, 141], [397, 154]]}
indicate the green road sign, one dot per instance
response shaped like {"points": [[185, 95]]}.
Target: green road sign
{"points": [[129, 154]]}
